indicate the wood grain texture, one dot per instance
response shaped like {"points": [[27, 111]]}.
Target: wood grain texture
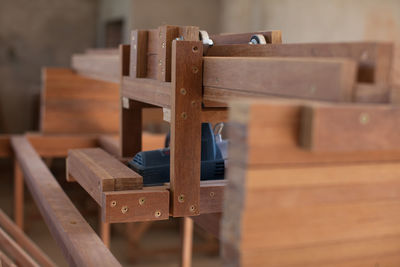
{"points": [[273, 138], [135, 205], [322, 79], [375, 59], [73, 104], [61, 216], [272, 37], [329, 215], [23, 241], [186, 95], [97, 172], [328, 127], [138, 55]]}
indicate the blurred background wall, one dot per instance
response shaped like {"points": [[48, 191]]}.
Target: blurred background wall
{"points": [[47, 32]]}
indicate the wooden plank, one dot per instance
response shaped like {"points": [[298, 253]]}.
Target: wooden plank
{"points": [[214, 115], [61, 216], [152, 44], [328, 127], [371, 93], [272, 37], [273, 139], [147, 91], [110, 144], [5, 261], [167, 33], [5, 147], [97, 172], [73, 104], [58, 145], [312, 216], [138, 55], [135, 205], [209, 222], [131, 128], [323, 79], [374, 59], [22, 240], [18, 254], [98, 66], [186, 127], [18, 195]]}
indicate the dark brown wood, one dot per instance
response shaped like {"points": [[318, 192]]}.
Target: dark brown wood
{"points": [[209, 222], [167, 33], [375, 59], [131, 128], [186, 127], [135, 205], [138, 55], [76, 238], [5, 261], [5, 147], [97, 172], [328, 127], [313, 78]]}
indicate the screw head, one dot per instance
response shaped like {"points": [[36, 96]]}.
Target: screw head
{"points": [[183, 91], [212, 194], [163, 45], [181, 198], [184, 115], [142, 200], [124, 209], [192, 208], [364, 118], [113, 204], [157, 214], [195, 69], [195, 49]]}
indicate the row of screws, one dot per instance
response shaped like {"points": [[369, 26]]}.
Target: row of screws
{"points": [[125, 209]]}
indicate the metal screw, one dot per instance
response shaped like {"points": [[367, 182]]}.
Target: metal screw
{"points": [[183, 91], [142, 200], [193, 103], [157, 213], [195, 49], [212, 194], [133, 38], [364, 118], [72, 222], [124, 209], [181, 198], [160, 62], [134, 47], [184, 115], [163, 45], [113, 203], [195, 69], [313, 89], [192, 208]]}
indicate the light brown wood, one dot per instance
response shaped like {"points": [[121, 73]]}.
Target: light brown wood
{"points": [[214, 115], [187, 242], [375, 59], [97, 172], [22, 240], [73, 104], [105, 232], [186, 127], [61, 216], [311, 78], [18, 254], [5, 261], [327, 127], [18, 196], [135, 205]]}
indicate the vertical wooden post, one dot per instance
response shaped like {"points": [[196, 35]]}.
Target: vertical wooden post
{"points": [[167, 34], [105, 232], [18, 195], [186, 100], [138, 54], [187, 242]]}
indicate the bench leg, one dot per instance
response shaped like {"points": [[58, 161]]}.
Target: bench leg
{"points": [[18, 196], [187, 242]]}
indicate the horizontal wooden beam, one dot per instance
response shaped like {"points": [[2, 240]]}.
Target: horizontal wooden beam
{"points": [[73, 234], [22, 240], [135, 205], [374, 59], [97, 172], [311, 78], [327, 127]]}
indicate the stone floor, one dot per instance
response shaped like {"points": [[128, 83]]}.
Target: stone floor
{"points": [[158, 247]]}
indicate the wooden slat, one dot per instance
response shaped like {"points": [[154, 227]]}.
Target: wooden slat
{"points": [[186, 127], [273, 137], [323, 79], [73, 104], [211, 196], [272, 37], [147, 91], [135, 205], [328, 127], [214, 115], [22, 240], [167, 33], [371, 93], [61, 216], [18, 254], [209, 222], [18, 195], [5, 147], [375, 59], [97, 65], [5, 261], [345, 214], [97, 172], [138, 55]]}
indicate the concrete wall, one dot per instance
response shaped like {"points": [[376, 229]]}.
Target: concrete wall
{"points": [[35, 34], [315, 20]]}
